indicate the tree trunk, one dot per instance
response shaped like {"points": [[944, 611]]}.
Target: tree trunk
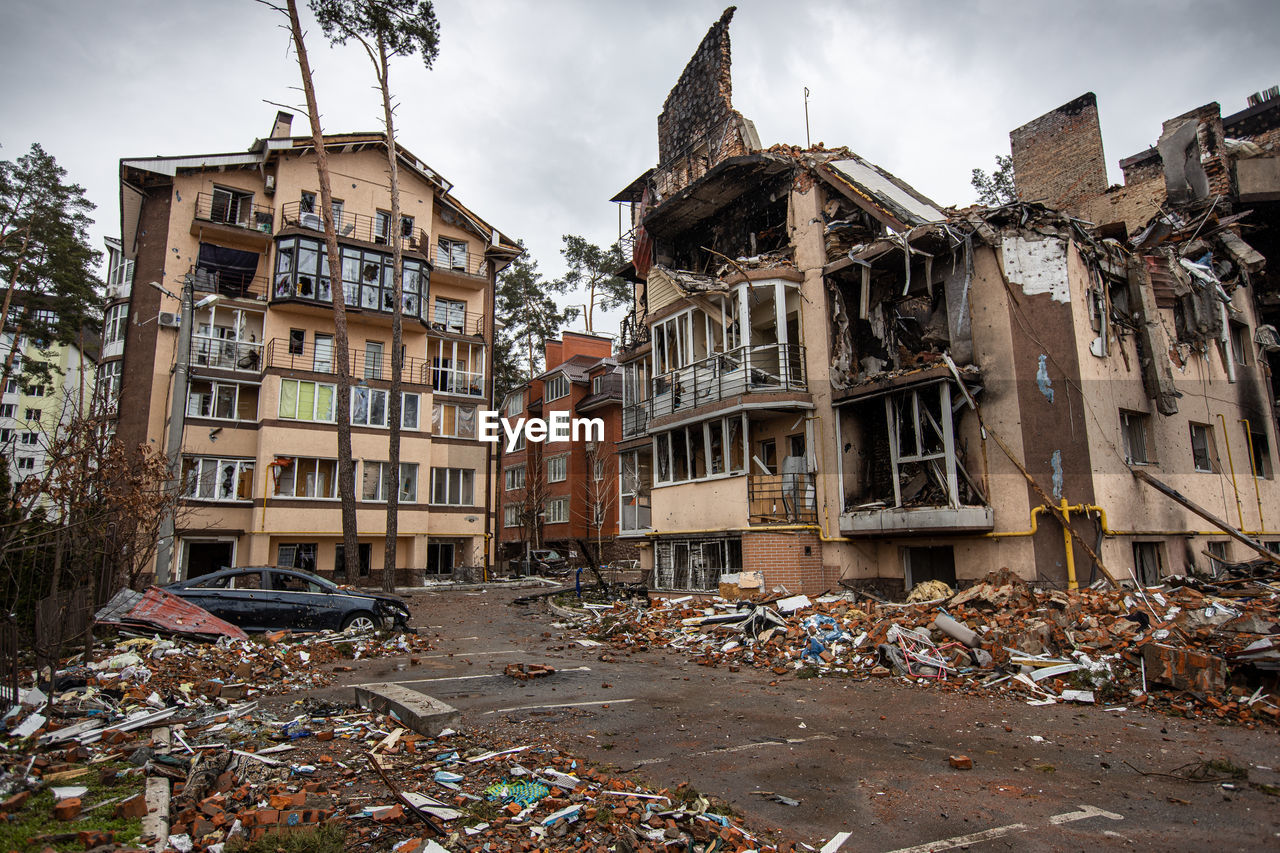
{"points": [[397, 357], [342, 355]]}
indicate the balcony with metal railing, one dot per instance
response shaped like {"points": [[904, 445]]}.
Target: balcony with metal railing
{"points": [[284, 354], [635, 419], [782, 499], [453, 322], [229, 283], [746, 370], [350, 226], [235, 210], [458, 259], [223, 354]]}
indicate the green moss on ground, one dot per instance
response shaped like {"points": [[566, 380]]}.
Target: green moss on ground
{"points": [[24, 829]]}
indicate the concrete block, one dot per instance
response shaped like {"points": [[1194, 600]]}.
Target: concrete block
{"points": [[417, 711]]}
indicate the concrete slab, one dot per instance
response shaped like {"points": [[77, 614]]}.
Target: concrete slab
{"points": [[418, 711]]}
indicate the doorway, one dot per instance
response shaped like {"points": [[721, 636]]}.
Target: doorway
{"points": [[934, 563], [202, 558], [440, 556]]}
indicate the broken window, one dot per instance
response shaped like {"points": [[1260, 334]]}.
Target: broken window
{"points": [[1260, 454], [1134, 430], [1203, 451], [695, 565], [1148, 562]]}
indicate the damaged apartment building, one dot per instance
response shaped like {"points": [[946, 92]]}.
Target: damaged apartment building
{"points": [[830, 379]]}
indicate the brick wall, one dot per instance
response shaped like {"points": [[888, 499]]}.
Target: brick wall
{"points": [[699, 127], [1058, 159], [781, 556], [1134, 204]]}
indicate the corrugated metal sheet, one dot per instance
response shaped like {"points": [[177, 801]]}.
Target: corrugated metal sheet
{"points": [[160, 610], [896, 197]]}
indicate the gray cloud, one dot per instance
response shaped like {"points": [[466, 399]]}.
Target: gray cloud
{"points": [[541, 111]]}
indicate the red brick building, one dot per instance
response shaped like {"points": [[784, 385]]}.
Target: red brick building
{"points": [[558, 494]]}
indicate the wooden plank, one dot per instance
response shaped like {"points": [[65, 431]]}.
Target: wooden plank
{"points": [[1176, 496]]}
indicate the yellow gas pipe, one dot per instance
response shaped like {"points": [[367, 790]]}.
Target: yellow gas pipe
{"points": [[1231, 466]]}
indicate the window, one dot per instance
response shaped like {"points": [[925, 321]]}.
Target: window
{"points": [[368, 407], [695, 564], [375, 486], [322, 358], [450, 315], [373, 360], [698, 451], [11, 387], [451, 254], [408, 411], [306, 401], [1217, 554], [302, 272], [6, 435], [557, 469], [558, 511], [769, 455], [556, 387], [515, 404], [113, 325], [308, 202], [457, 367], [231, 206], [297, 555], [213, 479], [1260, 452], [1240, 344], [406, 227], [1148, 562], [29, 438], [307, 478], [34, 390], [511, 515], [453, 486], [1203, 451], [382, 227], [633, 484], [597, 384], [1135, 431], [26, 463], [515, 477], [9, 410], [297, 341], [32, 415], [365, 556], [222, 400], [450, 420]]}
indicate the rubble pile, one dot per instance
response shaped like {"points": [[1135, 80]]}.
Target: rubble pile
{"points": [[1187, 648], [243, 773]]}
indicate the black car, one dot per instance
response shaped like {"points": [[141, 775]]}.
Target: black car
{"points": [[269, 599]]}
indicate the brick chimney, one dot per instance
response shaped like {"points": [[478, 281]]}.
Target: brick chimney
{"points": [[1058, 159]]}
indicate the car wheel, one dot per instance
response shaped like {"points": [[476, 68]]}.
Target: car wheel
{"points": [[359, 622]]}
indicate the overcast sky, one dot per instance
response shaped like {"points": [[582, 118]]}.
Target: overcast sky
{"points": [[539, 112]]}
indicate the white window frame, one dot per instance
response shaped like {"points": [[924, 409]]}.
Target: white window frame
{"points": [[196, 400], [555, 387], [515, 404], [453, 486], [511, 515], [208, 469], [113, 325], [558, 468], [515, 477], [408, 475], [370, 395], [300, 467], [558, 511], [440, 407], [315, 401]]}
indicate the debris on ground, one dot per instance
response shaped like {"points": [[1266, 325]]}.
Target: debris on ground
{"points": [[1190, 647]]}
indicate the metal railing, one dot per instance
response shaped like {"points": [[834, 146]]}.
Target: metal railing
{"points": [[236, 210], [633, 332], [782, 499], [635, 419], [210, 351], [229, 284], [354, 226], [746, 370], [455, 322], [283, 354], [470, 263]]}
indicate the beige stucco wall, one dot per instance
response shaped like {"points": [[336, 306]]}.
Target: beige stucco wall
{"points": [[719, 504]]}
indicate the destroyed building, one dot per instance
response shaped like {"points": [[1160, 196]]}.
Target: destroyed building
{"points": [[830, 379]]}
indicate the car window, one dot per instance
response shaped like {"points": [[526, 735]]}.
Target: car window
{"points": [[249, 580], [293, 583], [213, 583]]}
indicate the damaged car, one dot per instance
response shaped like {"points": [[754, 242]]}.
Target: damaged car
{"points": [[271, 599]]}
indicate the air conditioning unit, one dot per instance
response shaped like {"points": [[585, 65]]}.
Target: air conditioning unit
{"points": [[169, 319], [269, 184], [312, 221]]}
